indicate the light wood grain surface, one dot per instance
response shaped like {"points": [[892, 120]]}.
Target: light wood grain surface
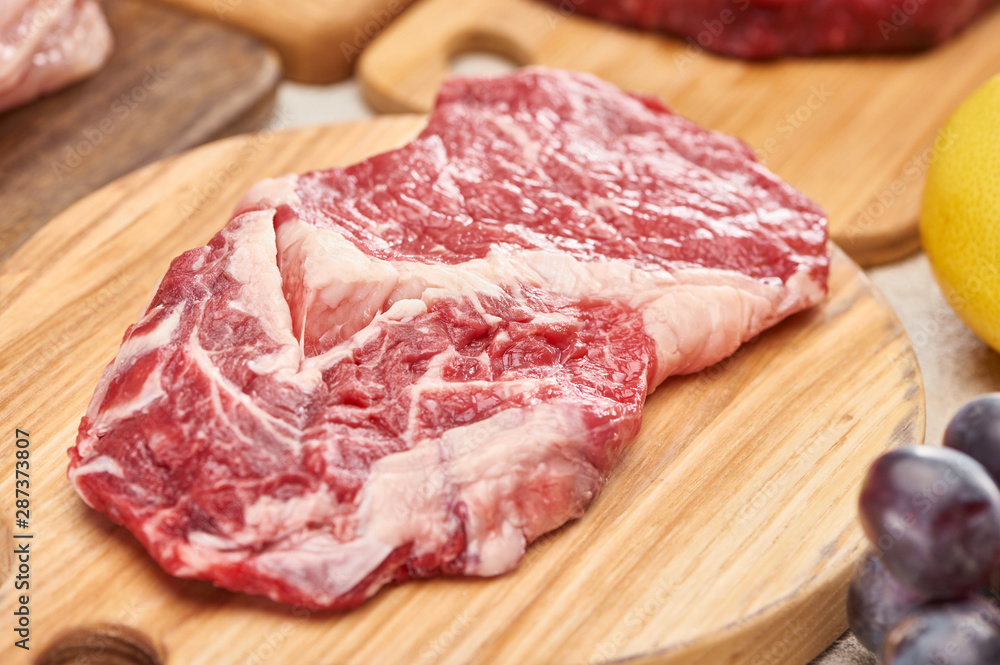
{"points": [[319, 40], [173, 82], [725, 534], [852, 132]]}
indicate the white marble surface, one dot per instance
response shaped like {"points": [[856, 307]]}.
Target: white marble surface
{"points": [[956, 366]]}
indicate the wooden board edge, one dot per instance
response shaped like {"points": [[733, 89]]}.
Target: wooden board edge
{"points": [[315, 48], [882, 249], [380, 71], [791, 615]]}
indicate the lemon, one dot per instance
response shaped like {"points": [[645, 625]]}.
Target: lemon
{"points": [[960, 219]]}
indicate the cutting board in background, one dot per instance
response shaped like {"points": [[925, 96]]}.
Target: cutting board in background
{"points": [[319, 40], [726, 533], [853, 133], [173, 82]]}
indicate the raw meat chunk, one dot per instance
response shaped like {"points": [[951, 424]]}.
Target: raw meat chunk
{"points": [[47, 44], [418, 364]]}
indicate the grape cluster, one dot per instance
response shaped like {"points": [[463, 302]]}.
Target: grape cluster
{"points": [[921, 594]]}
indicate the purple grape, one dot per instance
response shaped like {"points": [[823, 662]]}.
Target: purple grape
{"points": [[934, 514], [965, 633], [975, 430], [877, 601]]}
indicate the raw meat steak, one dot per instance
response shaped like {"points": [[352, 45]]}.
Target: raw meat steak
{"points": [[47, 44], [418, 364], [761, 29]]}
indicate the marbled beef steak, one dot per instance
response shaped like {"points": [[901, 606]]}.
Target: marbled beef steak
{"points": [[418, 364], [761, 29]]}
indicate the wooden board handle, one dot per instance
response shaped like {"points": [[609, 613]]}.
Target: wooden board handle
{"points": [[319, 40], [401, 71]]}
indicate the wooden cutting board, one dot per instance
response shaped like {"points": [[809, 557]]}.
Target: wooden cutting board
{"points": [[853, 133], [319, 40], [726, 533], [173, 82]]}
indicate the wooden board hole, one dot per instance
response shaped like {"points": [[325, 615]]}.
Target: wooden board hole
{"points": [[102, 645]]}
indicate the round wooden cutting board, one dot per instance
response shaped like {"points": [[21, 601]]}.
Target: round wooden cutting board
{"points": [[726, 533]]}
